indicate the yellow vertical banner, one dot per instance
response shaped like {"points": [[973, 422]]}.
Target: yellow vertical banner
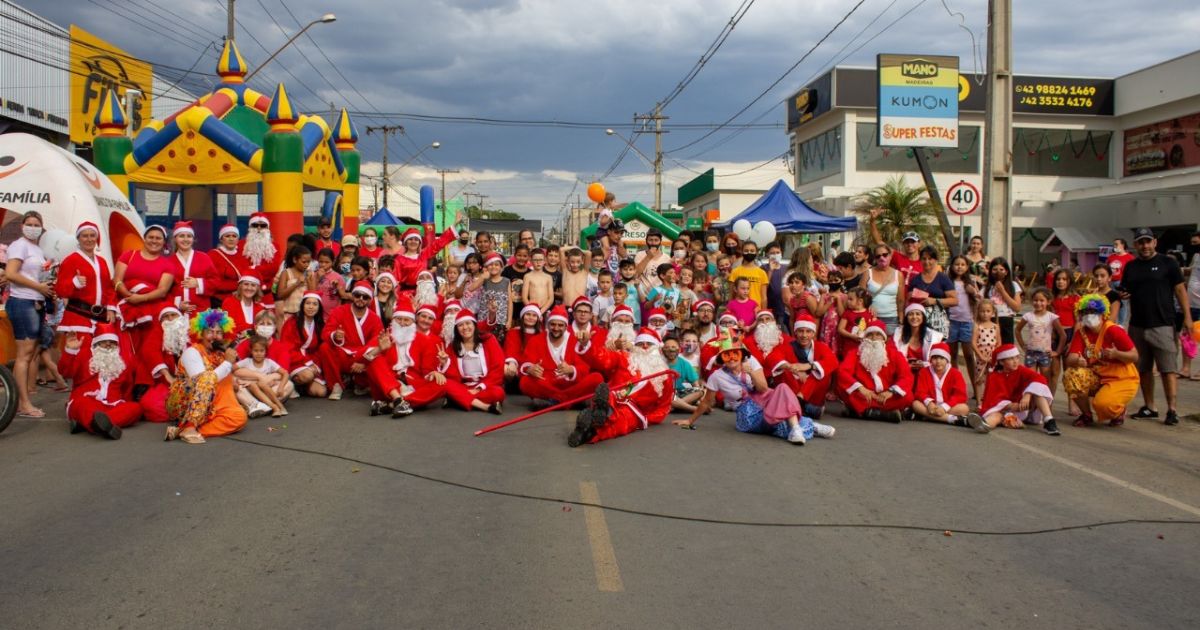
{"points": [[97, 66]]}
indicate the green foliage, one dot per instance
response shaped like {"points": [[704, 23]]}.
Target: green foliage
{"points": [[492, 213], [905, 209]]}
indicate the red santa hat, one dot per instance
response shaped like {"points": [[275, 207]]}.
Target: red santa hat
{"points": [[727, 316], [259, 218], [1007, 351], [182, 227], [622, 310], [702, 303], [249, 278], [558, 313], [426, 273], [940, 349], [169, 310], [805, 321], [404, 308], [914, 307], [411, 233], [228, 228], [105, 332], [465, 315], [758, 317], [875, 326], [493, 257], [364, 287], [656, 312], [311, 295], [531, 308], [581, 301], [453, 304], [648, 335], [87, 225], [428, 308], [387, 275]]}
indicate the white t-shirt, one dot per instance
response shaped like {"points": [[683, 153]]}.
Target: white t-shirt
{"points": [[727, 385], [32, 259], [458, 254], [266, 369]]}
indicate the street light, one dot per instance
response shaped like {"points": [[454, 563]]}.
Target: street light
{"points": [[631, 145], [324, 19]]}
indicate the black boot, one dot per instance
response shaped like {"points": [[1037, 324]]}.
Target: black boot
{"points": [[599, 406], [102, 425], [584, 430]]}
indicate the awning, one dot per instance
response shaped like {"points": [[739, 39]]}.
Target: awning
{"points": [[1082, 239]]}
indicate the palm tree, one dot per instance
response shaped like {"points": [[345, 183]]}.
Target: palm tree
{"points": [[899, 208]]}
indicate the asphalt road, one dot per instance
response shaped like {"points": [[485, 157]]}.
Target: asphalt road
{"points": [[338, 520]]}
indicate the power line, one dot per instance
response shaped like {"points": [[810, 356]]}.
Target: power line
{"points": [[150, 25], [776, 81], [510, 122], [738, 14]]}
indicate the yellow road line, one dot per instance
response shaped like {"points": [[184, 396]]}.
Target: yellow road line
{"points": [[608, 576], [1146, 492]]}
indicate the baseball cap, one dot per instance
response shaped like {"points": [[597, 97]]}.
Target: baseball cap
{"points": [[349, 239], [1142, 233], [911, 236], [617, 224], [324, 222]]}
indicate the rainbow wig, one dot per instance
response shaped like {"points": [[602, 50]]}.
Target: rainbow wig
{"points": [[210, 319], [1093, 303]]}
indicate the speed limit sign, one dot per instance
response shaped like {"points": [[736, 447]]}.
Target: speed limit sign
{"points": [[962, 198]]}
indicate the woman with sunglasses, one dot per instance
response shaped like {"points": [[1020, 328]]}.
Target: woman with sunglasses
{"points": [[887, 291]]}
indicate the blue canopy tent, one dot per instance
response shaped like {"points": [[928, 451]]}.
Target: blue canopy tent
{"points": [[790, 214], [383, 218]]}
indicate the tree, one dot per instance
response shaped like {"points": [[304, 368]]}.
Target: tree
{"points": [[904, 209], [475, 212]]}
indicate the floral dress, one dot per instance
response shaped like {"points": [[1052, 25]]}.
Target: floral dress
{"points": [[827, 331], [988, 334]]}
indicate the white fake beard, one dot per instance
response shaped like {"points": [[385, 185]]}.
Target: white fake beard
{"points": [[646, 362], [175, 336], [106, 363], [618, 331], [448, 328], [873, 355], [426, 294], [259, 247], [661, 329], [767, 335], [403, 337]]}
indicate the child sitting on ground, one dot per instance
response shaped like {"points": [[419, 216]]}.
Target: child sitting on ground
{"points": [[264, 378], [1015, 394]]}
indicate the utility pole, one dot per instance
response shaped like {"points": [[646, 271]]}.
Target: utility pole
{"points": [[657, 117], [443, 172], [997, 141], [386, 130], [231, 20]]}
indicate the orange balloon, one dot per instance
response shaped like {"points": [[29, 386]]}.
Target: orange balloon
{"points": [[596, 192]]}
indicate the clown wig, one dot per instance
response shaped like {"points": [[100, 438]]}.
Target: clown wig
{"points": [[1093, 303], [213, 318]]}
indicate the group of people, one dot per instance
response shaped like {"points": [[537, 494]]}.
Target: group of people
{"points": [[202, 341]]}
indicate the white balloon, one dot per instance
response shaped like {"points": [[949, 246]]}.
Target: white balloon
{"points": [[764, 232], [57, 244], [742, 228]]}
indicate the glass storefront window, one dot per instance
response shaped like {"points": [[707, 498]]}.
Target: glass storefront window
{"points": [[1061, 152], [821, 156], [871, 157]]}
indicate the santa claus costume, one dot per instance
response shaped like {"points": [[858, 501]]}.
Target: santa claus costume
{"points": [[727, 327], [620, 335], [228, 265], [102, 384], [474, 367], [552, 370], [409, 263], [259, 250], [85, 283], [191, 264], [804, 365], [1016, 394], [764, 336], [874, 380], [301, 335], [443, 328], [143, 275], [401, 365], [519, 338], [631, 406], [348, 333], [583, 322], [245, 305], [940, 392], [163, 345]]}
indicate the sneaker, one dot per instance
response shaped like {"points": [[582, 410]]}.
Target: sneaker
{"points": [[1145, 413], [294, 395], [796, 435], [1118, 421], [1051, 427], [538, 404], [75, 427], [376, 407], [976, 421], [259, 410], [335, 393], [361, 391], [1172, 418], [496, 408], [892, 416], [824, 430], [1084, 420], [401, 408], [813, 411], [102, 425]]}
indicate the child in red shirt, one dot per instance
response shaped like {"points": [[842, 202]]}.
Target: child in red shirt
{"points": [[853, 320]]}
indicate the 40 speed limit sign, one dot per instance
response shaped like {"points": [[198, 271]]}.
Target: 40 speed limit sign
{"points": [[962, 198]]}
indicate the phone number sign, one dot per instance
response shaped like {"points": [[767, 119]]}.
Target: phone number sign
{"points": [[1063, 95]]}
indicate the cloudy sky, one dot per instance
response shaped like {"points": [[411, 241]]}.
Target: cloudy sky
{"points": [[599, 63]]}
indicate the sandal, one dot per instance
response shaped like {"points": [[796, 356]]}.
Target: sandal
{"points": [[32, 413], [193, 437], [172, 433], [62, 388]]}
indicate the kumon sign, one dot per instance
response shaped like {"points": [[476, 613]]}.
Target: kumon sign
{"points": [[918, 101], [96, 67]]}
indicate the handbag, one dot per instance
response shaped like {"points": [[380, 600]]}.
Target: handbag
{"points": [[939, 320]]}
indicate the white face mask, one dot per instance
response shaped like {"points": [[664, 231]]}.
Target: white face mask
{"points": [[1092, 320], [370, 241], [777, 258], [31, 232], [265, 330]]}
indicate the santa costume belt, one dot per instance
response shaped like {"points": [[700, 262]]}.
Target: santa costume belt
{"points": [[92, 311]]}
